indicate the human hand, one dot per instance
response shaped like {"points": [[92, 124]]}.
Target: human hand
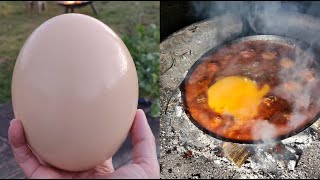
{"points": [[145, 163]]}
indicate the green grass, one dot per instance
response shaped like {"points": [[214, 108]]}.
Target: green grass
{"points": [[16, 24]]}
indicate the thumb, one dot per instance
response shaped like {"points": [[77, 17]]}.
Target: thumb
{"points": [[144, 146]]}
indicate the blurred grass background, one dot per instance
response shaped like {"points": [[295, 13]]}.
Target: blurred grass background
{"points": [[136, 22]]}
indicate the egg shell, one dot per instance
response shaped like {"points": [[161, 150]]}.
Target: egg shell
{"points": [[75, 90]]}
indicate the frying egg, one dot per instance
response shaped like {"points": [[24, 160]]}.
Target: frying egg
{"points": [[75, 90], [236, 95]]}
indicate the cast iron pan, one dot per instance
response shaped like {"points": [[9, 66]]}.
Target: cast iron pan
{"points": [[274, 38]]}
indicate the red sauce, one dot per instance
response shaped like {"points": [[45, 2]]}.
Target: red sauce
{"points": [[261, 61]]}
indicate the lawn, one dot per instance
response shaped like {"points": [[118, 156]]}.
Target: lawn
{"points": [[134, 21]]}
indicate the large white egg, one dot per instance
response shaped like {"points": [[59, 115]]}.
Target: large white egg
{"points": [[75, 89]]}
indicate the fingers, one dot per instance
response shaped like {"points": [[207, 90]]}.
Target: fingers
{"points": [[102, 170], [105, 168], [130, 171], [144, 146], [22, 153], [109, 165]]}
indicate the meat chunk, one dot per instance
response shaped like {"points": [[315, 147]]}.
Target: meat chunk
{"points": [[248, 53], [228, 57], [286, 62], [292, 86], [308, 75], [269, 55], [213, 68]]}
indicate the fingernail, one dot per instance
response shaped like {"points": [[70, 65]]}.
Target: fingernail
{"points": [[12, 121]]}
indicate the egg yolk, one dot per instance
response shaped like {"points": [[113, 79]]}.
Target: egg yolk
{"points": [[236, 95]]}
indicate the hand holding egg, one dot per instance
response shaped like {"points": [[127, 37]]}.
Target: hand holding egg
{"points": [[145, 163], [75, 90]]}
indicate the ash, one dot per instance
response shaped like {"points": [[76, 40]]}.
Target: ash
{"points": [[187, 152]]}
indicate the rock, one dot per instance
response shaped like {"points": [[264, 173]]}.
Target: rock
{"points": [[179, 111]]}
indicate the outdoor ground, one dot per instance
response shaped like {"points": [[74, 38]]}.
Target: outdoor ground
{"points": [[17, 23]]}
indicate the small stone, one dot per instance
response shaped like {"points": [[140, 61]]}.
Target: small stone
{"points": [[174, 142], [316, 126], [188, 154], [217, 161], [196, 176], [168, 151], [178, 110], [218, 152], [291, 165]]}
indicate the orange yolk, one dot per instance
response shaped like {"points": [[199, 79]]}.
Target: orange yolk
{"points": [[236, 95]]}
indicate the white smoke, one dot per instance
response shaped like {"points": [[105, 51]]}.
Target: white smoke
{"points": [[275, 17], [264, 130]]}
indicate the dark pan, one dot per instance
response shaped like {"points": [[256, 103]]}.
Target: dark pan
{"points": [[274, 38]]}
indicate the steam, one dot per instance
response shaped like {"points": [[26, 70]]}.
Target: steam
{"points": [[286, 19], [270, 17], [264, 130], [206, 9], [301, 96], [295, 87]]}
